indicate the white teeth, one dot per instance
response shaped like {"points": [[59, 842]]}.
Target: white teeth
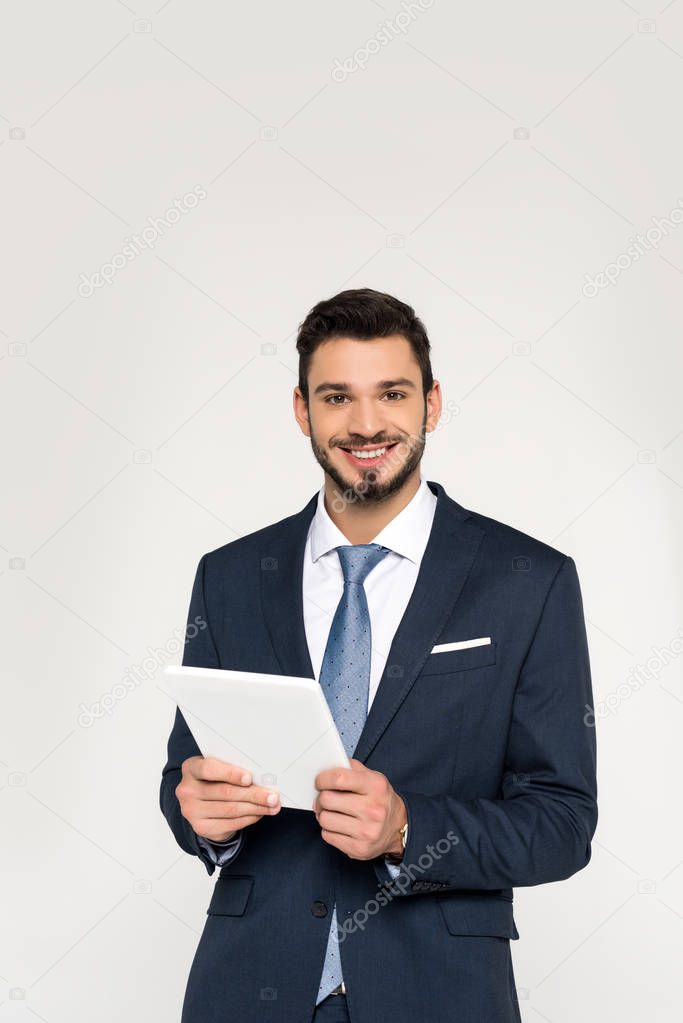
{"points": [[368, 454]]}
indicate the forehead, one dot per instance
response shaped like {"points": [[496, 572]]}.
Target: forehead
{"points": [[362, 361]]}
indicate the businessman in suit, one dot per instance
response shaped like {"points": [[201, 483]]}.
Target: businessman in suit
{"points": [[452, 651]]}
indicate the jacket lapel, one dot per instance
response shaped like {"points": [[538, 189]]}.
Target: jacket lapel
{"points": [[282, 571], [452, 546]]}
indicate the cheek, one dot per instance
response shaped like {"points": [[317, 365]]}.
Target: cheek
{"points": [[410, 425]]}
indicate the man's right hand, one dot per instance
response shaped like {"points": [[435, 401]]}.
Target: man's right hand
{"points": [[218, 799]]}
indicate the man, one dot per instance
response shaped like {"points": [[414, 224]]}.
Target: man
{"points": [[463, 641]]}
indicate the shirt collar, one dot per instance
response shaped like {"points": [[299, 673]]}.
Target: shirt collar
{"points": [[407, 533]]}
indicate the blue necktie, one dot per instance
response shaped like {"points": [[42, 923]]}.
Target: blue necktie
{"points": [[345, 679]]}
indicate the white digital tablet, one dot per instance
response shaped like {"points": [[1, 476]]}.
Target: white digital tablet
{"points": [[277, 726]]}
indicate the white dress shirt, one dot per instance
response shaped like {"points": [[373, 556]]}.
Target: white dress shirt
{"points": [[388, 588]]}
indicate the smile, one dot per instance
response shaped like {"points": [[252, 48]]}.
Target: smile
{"points": [[367, 456]]}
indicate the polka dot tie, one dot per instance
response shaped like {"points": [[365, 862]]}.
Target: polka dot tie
{"points": [[345, 679]]}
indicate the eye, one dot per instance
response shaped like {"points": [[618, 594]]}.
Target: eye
{"points": [[330, 399]]}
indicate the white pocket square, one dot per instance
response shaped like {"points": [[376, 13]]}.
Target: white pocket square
{"points": [[463, 644]]}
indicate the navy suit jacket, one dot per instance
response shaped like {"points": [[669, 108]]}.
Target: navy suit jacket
{"points": [[488, 746]]}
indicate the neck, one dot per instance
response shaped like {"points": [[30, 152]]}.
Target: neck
{"points": [[360, 521]]}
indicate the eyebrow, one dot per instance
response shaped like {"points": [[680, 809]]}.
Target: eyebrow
{"points": [[383, 385]]}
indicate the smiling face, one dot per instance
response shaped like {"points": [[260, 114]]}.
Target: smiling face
{"points": [[366, 416]]}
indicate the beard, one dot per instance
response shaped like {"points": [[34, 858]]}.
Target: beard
{"points": [[372, 484]]}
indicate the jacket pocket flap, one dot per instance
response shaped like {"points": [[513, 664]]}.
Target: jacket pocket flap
{"points": [[230, 895], [460, 660], [478, 914]]}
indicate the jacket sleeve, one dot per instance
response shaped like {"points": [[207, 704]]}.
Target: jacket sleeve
{"points": [[200, 652], [541, 828]]}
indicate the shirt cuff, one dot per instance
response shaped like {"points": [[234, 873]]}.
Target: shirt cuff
{"points": [[393, 868], [221, 852]]}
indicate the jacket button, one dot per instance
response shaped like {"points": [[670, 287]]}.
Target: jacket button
{"points": [[319, 909]]}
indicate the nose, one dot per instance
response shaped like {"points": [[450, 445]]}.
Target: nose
{"points": [[366, 419]]}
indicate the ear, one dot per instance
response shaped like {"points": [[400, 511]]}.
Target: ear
{"points": [[301, 411], [434, 407]]}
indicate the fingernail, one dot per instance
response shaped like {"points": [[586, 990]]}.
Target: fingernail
{"points": [[272, 799], [246, 779]]}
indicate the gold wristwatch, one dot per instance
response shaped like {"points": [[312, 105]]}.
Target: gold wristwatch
{"points": [[394, 857], [404, 834]]}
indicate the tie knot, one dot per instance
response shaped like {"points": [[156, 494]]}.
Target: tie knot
{"points": [[358, 560]]}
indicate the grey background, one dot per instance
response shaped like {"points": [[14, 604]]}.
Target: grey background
{"points": [[479, 165]]}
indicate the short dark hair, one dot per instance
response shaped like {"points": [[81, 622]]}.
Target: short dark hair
{"points": [[363, 314]]}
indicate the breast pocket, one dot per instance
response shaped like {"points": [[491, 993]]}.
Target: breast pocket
{"points": [[460, 660]]}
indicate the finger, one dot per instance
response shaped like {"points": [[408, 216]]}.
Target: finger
{"points": [[213, 769], [255, 794], [344, 779], [214, 830], [226, 811], [338, 823], [261, 796], [342, 802], [350, 846]]}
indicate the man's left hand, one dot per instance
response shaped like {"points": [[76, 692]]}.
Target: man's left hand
{"points": [[359, 812]]}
